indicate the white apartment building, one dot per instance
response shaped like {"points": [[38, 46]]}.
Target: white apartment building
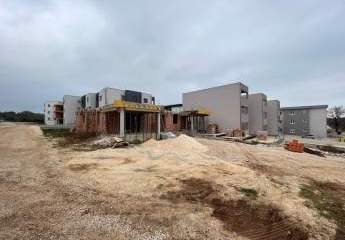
{"points": [[53, 112], [257, 113], [227, 105]]}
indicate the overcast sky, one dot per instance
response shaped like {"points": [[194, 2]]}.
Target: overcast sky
{"points": [[293, 51]]}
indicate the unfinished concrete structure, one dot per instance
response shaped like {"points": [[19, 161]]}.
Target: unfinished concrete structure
{"points": [[257, 112], [129, 120], [71, 106], [227, 105], [107, 96], [305, 120], [171, 119], [273, 118], [89, 101], [53, 113]]}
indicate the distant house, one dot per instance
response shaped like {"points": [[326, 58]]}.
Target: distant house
{"points": [[305, 120]]}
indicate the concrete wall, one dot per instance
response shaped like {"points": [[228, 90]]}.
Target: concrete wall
{"points": [[71, 105], [49, 114], [90, 100], [109, 95], [146, 96], [296, 122], [318, 122], [223, 103], [273, 117], [257, 113]]}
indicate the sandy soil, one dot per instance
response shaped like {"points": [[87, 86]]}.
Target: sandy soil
{"points": [[183, 188]]}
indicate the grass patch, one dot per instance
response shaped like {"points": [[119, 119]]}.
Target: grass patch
{"points": [[254, 142], [56, 133], [328, 199], [66, 138], [249, 192]]}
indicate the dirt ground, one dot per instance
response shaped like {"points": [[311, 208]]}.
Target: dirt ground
{"points": [[183, 188]]}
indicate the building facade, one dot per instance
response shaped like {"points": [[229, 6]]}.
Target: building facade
{"points": [[88, 101], [273, 117], [227, 105], [53, 113], [108, 95], [257, 113], [305, 120], [71, 105]]}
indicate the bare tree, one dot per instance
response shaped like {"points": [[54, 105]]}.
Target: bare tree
{"points": [[336, 113]]}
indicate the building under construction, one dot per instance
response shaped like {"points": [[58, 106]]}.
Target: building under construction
{"points": [[175, 119], [129, 120]]}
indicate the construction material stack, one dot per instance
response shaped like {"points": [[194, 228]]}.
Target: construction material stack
{"points": [[295, 146]]}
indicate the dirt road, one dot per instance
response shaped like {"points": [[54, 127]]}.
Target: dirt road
{"points": [[39, 201], [180, 189]]}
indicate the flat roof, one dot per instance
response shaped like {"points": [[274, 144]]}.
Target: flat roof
{"points": [[219, 86], [173, 105], [305, 107]]}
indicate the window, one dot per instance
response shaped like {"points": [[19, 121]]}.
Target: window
{"points": [[292, 113], [304, 120], [175, 119], [244, 109], [87, 99], [146, 100], [48, 105], [292, 121], [48, 112], [292, 131], [100, 98]]}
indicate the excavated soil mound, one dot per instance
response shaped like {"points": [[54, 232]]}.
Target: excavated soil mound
{"points": [[249, 219], [182, 142]]}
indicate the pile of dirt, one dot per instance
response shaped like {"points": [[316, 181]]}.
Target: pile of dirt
{"points": [[182, 142], [246, 218]]}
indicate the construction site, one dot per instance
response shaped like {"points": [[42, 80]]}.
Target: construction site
{"points": [[70, 186]]}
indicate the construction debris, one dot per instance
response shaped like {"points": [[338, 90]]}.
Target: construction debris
{"points": [[166, 135], [110, 142], [212, 128], [313, 151], [295, 146], [261, 135], [237, 133]]}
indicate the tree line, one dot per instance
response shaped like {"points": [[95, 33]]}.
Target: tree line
{"points": [[336, 118], [25, 116]]}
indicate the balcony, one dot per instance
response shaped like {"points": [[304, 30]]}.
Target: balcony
{"points": [[244, 101]]}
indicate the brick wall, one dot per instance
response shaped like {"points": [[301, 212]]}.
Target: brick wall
{"points": [[168, 122]]}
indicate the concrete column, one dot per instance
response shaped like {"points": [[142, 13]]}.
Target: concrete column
{"points": [[158, 125], [192, 124], [122, 123]]}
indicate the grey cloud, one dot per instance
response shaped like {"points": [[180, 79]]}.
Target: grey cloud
{"points": [[291, 50]]}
